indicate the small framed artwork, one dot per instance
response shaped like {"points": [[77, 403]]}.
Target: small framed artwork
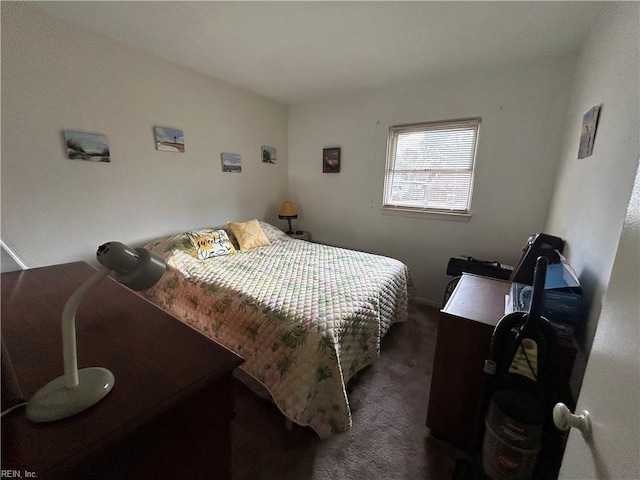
{"points": [[92, 147], [588, 133], [268, 155], [331, 160], [169, 139], [231, 162]]}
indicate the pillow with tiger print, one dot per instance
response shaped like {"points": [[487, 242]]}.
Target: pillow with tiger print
{"points": [[210, 243]]}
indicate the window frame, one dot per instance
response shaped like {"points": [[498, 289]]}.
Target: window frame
{"points": [[394, 130]]}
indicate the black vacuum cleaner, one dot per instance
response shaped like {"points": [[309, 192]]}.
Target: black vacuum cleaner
{"points": [[521, 388]]}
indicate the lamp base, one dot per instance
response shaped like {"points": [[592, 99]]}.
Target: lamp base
{"points": [[55, 401]]}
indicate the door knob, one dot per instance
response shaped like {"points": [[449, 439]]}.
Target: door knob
{"points": [[564, 420]]}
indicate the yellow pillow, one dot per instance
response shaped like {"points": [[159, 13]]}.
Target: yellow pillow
{"points": [[249, 234]]}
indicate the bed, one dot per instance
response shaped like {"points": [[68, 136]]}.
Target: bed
{"points": [[305, 317]]}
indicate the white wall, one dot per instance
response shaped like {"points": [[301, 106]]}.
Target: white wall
{"points": [[56, 76], [523, 108], [592, 194], [612, 451]]}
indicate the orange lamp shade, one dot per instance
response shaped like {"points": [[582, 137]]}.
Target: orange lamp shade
{"points": [[287, 210]]}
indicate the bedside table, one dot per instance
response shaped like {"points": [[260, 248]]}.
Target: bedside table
{"points": [[300, 235]]}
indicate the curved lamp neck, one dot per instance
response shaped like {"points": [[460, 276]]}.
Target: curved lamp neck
{"points": [[69, 326]]}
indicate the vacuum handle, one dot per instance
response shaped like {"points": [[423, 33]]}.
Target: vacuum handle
{"points": [[537, 295]]}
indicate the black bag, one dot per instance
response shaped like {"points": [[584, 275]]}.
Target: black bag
{"points": [[458, 266]]}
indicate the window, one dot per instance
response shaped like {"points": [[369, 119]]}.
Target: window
{"points": [[430, 166]]}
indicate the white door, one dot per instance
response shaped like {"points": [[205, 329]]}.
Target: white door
{"points": [[611, 387]]}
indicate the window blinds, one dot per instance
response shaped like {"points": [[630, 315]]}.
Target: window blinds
{"points": [[430, 165]]}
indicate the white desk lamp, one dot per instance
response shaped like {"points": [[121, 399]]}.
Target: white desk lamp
{"points": [[75, 391]]}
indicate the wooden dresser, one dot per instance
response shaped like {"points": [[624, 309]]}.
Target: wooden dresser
{"points": [[169, 411]]}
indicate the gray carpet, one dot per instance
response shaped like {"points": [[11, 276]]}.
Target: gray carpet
{"points": [[388, 439]]}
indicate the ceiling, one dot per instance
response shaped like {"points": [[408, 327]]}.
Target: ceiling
{"points": [[300, 50]]}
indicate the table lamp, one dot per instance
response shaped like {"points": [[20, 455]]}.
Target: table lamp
{"points": [[75, 391], [288, 211]]}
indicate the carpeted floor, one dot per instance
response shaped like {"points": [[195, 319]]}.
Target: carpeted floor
{"points": [[388, 439]]}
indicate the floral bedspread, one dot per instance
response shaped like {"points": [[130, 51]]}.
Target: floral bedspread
{"points": [[304, 316]]}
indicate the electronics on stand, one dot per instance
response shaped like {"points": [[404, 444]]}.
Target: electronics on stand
{"points": [[538, 245]]}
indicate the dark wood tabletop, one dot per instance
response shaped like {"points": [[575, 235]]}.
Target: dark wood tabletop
{"points": [[157, 362]]}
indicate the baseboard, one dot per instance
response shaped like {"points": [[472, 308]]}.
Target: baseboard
{"points": [[14, 262], [429, 303]]}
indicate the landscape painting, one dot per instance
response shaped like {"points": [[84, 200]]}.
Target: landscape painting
{"points": [[169, 139], [588, 133], [231, 162], [92, 147], [268, 155]]}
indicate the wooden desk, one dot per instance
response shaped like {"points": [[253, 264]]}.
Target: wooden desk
{"points": [[169, 411], [463, 344]]}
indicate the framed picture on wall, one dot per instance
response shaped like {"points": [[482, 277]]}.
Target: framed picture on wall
{"points": [[588, 132], [231, 162], [331, 160], [268, 154], [169, 139], [92, 147]]}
